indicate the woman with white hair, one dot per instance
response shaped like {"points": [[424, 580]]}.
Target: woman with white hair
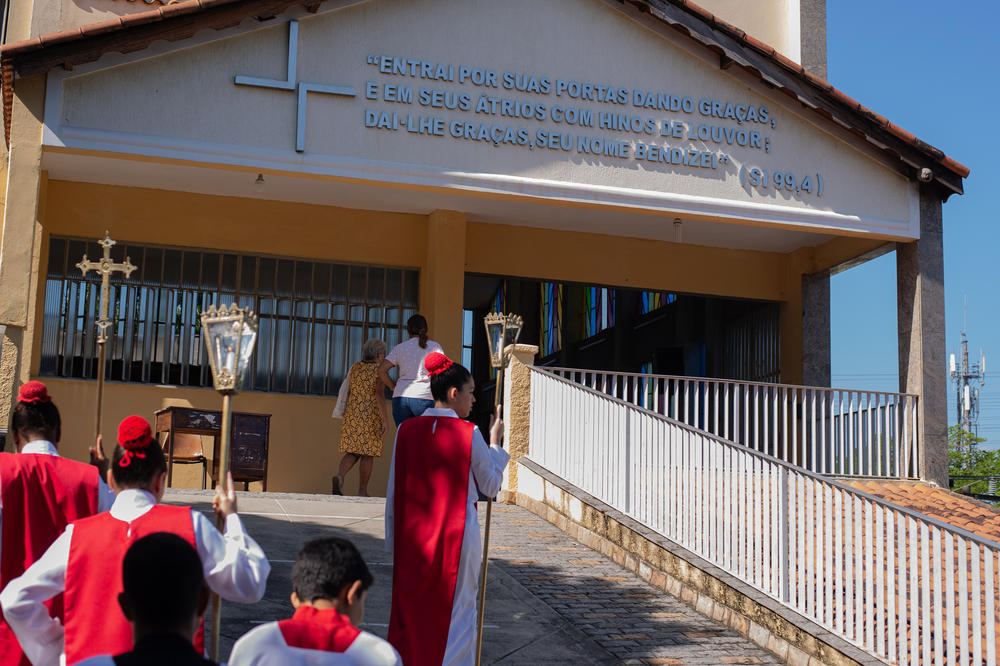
{"points": [[361, 404]]}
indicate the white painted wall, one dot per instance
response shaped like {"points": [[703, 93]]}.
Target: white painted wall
{"points": [[184, 104]]}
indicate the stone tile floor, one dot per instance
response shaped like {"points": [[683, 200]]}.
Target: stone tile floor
{"points": [[550, 599]]}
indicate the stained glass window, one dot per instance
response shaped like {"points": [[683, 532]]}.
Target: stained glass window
{"points": [[599, 310], [551, 318], [654, 300]]}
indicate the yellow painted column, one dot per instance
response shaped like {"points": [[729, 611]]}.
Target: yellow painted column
{"points": [[791, 321], [442, 280], [19, 249]]}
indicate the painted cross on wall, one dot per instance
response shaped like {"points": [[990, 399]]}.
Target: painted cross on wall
{"points": [[290, 83]]}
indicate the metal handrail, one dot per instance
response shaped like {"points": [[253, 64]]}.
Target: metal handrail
{"points": [[861, 566], [653, 375], [778, 461], [829, 431]]}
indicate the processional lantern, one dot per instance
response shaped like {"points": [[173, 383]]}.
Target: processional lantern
{"points": [[230, 334], [501, 330]]}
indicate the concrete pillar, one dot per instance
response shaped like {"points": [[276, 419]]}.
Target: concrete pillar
{"points": [[805, 322], [790, 318], [442, 281], [812, 36], [19, 252], [517, 419], [816, 329], [920, 321]]}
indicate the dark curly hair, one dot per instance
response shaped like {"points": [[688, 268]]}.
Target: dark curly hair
{"points": [[139, 472], [40, 419]]}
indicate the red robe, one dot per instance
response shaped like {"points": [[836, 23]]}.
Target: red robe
{"points": [[41, 495], [94, 622], [324, 630], [431, 492]]}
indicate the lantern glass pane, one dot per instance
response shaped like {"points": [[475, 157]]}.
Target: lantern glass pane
{"points": [[247, 343], [495, 333], [224, 340], [513, 330]]}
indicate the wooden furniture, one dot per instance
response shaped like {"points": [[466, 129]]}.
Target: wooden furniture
{"points": [[248, 452]]}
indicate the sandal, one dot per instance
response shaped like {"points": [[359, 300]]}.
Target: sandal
{"points": [[336, 485]]}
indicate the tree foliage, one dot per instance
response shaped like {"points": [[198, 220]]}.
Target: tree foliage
{"points": [[966, 457]]}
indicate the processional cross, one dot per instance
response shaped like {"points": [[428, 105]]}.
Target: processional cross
{"points": [[104, 267]]}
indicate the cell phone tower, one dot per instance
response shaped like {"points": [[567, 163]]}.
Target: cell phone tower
{"points": [[966, 395]]}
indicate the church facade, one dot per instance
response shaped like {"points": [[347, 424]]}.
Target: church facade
{"points": [[653, 188]]}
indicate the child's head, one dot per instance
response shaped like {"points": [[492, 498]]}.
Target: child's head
{"points": [[35, 416], [331, 573], [138, 461], [164, 585], [451, 384]]}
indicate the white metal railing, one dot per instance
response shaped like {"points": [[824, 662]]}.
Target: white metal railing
{"points": [[827, 431], [905, 587]]}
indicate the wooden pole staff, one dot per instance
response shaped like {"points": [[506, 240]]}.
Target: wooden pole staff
{"points": [[104, 267], [486, 538], [220, 521]]}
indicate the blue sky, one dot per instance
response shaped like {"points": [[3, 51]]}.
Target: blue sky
{"points": [[931, 68]]}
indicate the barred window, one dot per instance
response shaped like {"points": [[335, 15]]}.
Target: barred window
{"points": [[314, 315]]}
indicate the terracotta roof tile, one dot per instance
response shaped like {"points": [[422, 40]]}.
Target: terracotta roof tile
{"points": [[959, 510], [179, 11], [816, 81]]}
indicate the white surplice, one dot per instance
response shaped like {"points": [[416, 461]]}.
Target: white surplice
{"points": [[485, 475], [235, 568]]}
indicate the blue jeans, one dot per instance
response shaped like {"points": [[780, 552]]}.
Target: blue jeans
{"points": [[407, 408]]}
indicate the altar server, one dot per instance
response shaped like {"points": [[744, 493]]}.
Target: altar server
{"points": [[439, 464], [86, 560], [164, 597], [330, 581], [40, 494]]}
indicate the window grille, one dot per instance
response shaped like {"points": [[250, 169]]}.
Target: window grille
{"points": [[314, 315]]}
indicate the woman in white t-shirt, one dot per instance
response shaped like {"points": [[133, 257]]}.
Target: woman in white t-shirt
{"points": [[411, 393]]}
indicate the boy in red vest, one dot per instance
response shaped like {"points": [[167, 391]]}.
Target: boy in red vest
{"points": [[329, 582], [164, 596], [40, 494], [439, 465], [85, 562]]}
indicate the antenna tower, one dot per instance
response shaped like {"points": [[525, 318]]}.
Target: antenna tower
{"points": [[965, 375]]}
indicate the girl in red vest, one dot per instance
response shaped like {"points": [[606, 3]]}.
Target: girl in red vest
{"points": [[85, 562], [439, 465], [40, 494]]}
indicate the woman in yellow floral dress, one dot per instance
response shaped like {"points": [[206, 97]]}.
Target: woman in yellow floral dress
{"points": [[361, 404]]}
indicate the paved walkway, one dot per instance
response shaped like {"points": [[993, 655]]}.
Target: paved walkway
{"points": [[550, 599]]}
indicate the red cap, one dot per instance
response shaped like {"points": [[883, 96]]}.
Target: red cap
{"points": [[436, 363], [33, 392], [134, 433]]}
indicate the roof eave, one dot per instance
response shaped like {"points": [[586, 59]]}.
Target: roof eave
{"points": [[918, 160]]}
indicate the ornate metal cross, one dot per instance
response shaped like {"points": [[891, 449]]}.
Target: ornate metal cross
{"points": [[104, 267]]}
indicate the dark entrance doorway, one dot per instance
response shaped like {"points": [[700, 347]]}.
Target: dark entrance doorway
{"points": [[625, 330]]}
